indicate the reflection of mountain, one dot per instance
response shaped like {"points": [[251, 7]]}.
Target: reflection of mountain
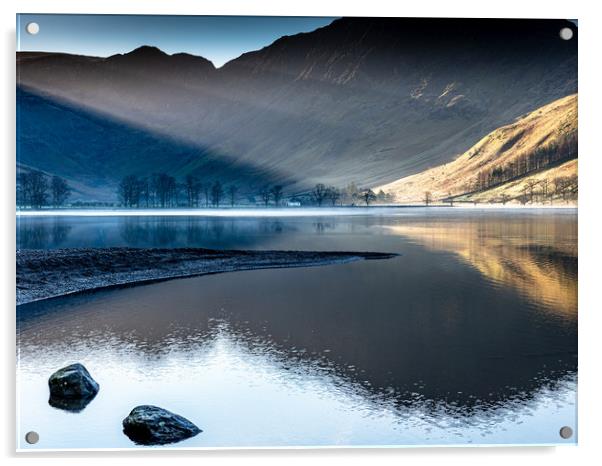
{"points": [[364, 99], [450, 347], [505, 253]]}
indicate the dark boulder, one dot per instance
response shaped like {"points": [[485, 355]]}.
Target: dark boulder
{"points": [[72, 388], [151, 425]]}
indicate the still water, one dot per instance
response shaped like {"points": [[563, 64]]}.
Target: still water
{"points": [[469, 336]]}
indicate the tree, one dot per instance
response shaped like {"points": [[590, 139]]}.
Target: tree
{"points": [[59, 190], [32, 189], [504, 198], [206, 192], [145, 192], [529, 188], [350, 194], [319, 193], [333, 194], [545, 188], [428, 198], [165, 189], [129, 191], [265, 195], [192, 186], [276, 193], [217, 192], [232, 190], [368, 196]]}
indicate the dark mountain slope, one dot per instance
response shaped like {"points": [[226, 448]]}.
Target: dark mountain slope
{"points": [[93, 152], [364, 99]]}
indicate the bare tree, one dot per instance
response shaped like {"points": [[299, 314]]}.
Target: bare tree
{"points": [[164, 187], [504, 198], [529, 188], [276, 193], [216, 193], [32, 189], [333, 194], [319, 193], [145, 192], [192, 186], [350, 194], [573, 186], [545, 188], [59, 190], [129, 191], [206, 192], [428, 198], [265, 195], [232, 190]]}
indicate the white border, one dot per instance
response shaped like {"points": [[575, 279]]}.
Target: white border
{"points": [[590, 103]]}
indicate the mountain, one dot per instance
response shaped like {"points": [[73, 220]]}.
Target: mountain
{"points": [[368, 100], [537, 147], [93, 151]]}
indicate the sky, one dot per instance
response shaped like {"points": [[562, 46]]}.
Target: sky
{"points": [[217, 38]]}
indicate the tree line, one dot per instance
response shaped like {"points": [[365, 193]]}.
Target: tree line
{"points": [[563, 188], [35, 190], [161, 190], [350, 195], [555, 153]]}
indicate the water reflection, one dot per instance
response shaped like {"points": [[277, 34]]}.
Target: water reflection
{"points": [[538, 259], [469, 335], [73, 405], [42, 235]]}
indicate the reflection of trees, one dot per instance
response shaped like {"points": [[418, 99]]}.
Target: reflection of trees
{"points": [[321, 227], [164, 233], [195, 231], [270, 225], [41, 235], [133, 231]]}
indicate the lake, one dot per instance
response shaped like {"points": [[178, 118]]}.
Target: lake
{"points": [[469, 336]]}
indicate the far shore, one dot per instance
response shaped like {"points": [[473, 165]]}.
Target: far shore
{"points": [[276, 211]]}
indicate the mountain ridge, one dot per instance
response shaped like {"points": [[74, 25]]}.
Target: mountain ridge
{"points": [[361, 99]]}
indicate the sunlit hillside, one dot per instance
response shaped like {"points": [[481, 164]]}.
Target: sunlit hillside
{"points": [[531, 160]]}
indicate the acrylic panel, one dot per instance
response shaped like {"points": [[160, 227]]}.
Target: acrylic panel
{"points": [[295, 232]]}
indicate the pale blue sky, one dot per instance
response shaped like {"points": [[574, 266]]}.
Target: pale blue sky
{"points": [[217, 38]]}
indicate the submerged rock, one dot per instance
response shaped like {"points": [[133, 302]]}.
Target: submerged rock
{"points": [[72, 388], [151, 425]]}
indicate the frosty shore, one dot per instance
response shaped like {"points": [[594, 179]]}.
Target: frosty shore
{"points": [[43, 274]]}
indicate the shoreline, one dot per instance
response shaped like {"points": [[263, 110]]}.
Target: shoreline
{"points": [[276, 211], [53, 273]]}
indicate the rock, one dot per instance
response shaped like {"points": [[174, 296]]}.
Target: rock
{"points": [[73, 382], [151, 425]]}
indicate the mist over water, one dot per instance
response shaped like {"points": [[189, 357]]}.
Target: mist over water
{"points": [[468, 336]]}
